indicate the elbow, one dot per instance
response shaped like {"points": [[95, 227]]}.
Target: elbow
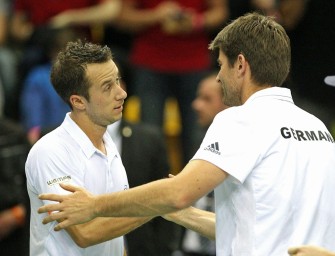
{"points": [[82, 242], [81, 239], [182, 201], [181, 198]]}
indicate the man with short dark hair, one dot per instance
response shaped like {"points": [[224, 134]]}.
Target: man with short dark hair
{"points": [[80, 151]]}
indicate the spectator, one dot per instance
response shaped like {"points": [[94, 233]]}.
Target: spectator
{"points": [[209, 101], [28, 15], [170, 56], [8, 62], [14, 203]]}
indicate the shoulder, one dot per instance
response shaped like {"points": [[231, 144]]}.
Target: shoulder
{"points": [[233, 114], [54, 143], [233, 123]]}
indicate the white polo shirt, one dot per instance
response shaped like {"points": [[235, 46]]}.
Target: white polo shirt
{"points": [[67, 155], [281, 184]]}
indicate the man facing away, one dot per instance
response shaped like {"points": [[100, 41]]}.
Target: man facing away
{"points": [[270, 162], [80, 151]]}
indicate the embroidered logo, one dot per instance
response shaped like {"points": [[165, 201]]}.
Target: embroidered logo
{"points": [[214, 148], [59, 180]]}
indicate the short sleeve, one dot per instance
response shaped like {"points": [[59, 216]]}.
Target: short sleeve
{"points": [[47, 167], [230, 144]]}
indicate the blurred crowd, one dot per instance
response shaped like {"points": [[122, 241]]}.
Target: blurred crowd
{"points": [[160, 47]]}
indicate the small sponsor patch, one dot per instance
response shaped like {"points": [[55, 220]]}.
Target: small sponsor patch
{"points": [[59, 180]]}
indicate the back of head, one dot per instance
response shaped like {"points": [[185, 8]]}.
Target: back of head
{"points": [[68, 73], [263, 42]]}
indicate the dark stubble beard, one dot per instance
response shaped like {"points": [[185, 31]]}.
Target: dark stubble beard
{"points": [[231, 96]]}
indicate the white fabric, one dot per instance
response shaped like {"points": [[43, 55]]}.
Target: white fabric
{"points": [[330, 80], [67, 155], [279, 191]]}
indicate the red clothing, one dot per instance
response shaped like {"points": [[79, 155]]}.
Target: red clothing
{"points": [[156, 50], [39, 11]]}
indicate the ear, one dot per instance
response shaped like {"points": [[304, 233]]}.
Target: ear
{"points": [[242, 65], [78, 102]]}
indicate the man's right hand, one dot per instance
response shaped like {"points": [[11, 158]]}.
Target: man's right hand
{"points": [[72, 209]]}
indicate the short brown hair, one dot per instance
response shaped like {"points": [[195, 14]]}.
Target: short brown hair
{"points": [[68, 73], [262, 41]]}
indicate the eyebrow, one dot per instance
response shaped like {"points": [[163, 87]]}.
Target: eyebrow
{"points": [[118, 77], [106, 82]]}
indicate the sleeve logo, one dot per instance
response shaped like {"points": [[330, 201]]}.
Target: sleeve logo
{"points": [[59, 180], [214, 148]]}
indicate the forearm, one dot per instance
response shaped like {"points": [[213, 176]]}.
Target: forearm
{"points": [[309, 250], [136, 20], [138, 202], [159, 197], [216, 15], [200, 221], [103, 229], [163, 196], [101, 13]]}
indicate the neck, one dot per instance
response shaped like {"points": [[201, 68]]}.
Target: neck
{"points": [[250, 90], [93, 131]]}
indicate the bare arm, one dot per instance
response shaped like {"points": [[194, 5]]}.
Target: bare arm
{"points": [[191, 21], [135, 19], [200, 221], [197, 179], [103, 229], [216, 14], [309, 250], [106, 11]]}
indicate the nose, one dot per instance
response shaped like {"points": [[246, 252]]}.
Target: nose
{"points": [[217, 78], [121, 95], [195, 104]]}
